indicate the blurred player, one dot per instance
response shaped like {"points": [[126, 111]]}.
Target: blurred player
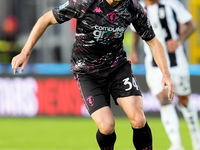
{"points": [[167, 17], [8, 44], [100, 65]]}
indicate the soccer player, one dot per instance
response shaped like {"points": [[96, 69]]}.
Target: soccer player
{"points": [[166, 17], [99, 62]]}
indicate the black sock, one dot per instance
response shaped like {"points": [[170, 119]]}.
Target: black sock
{"points": [[142, 138], [106, 142]]}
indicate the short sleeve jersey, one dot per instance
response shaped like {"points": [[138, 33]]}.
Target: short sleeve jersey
{"points": [[100, 31], [166, 17]]}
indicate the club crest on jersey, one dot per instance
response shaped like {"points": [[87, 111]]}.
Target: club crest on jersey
{"points": [[64, 5], [90, 101], [111, 17]]}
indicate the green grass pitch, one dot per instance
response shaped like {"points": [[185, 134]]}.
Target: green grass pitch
{"points": [[75, 133]]}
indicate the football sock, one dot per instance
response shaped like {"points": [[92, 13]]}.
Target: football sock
{"points": [[106, 142], [142, 138], [170, 122], [191, 117]]}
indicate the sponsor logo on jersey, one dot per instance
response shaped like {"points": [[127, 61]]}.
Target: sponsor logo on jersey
{"points": [[64, 5], [111, 17], [102, 32], [98, 10]]}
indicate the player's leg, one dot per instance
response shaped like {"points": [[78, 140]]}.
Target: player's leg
{"points": [[133, 107], [183, 90], [105, 135], [97, 101], [168, 113], [191, 117], [127, 94], [170, 121]]}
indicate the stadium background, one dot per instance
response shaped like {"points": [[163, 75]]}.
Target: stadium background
{"points": [[47, 88]]}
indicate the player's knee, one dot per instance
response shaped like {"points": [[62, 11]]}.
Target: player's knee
{"points": [[138, 122], [164, 101], [163, 98], [107, 128], [183, 100]]}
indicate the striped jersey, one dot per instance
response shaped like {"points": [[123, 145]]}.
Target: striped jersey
{"points": [[165, 18]]}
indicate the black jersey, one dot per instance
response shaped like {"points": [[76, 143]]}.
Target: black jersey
{"points": [[100, 31]]}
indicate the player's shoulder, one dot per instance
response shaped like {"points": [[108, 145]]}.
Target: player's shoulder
{"points": [[137, 6], [142, 3], [87, 1], [78, 5], [78, 2], [176, 4]]}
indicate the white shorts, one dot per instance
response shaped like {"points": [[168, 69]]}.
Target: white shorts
{"points": [[180, 77]]}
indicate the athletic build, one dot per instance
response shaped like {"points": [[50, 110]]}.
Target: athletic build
{"points": [[100, 32], [100, 65]]}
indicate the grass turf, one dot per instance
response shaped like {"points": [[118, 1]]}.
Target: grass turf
{"points": [[75, 133]]}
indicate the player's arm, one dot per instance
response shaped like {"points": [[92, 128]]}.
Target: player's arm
{"points": [[143, 27], [187, 25], [133, 56], [161, 60], [39, 28], [186, 30]]}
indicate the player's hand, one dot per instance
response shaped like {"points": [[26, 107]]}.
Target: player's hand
{"points": [[133, 58], [167, 81], [19, 60], [172, 45]]}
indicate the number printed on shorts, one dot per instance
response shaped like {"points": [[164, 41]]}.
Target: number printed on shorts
{"points": [[135, 83], [130, 85]]}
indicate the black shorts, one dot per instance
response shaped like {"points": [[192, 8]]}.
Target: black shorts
{"points": [[96, 88]]}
